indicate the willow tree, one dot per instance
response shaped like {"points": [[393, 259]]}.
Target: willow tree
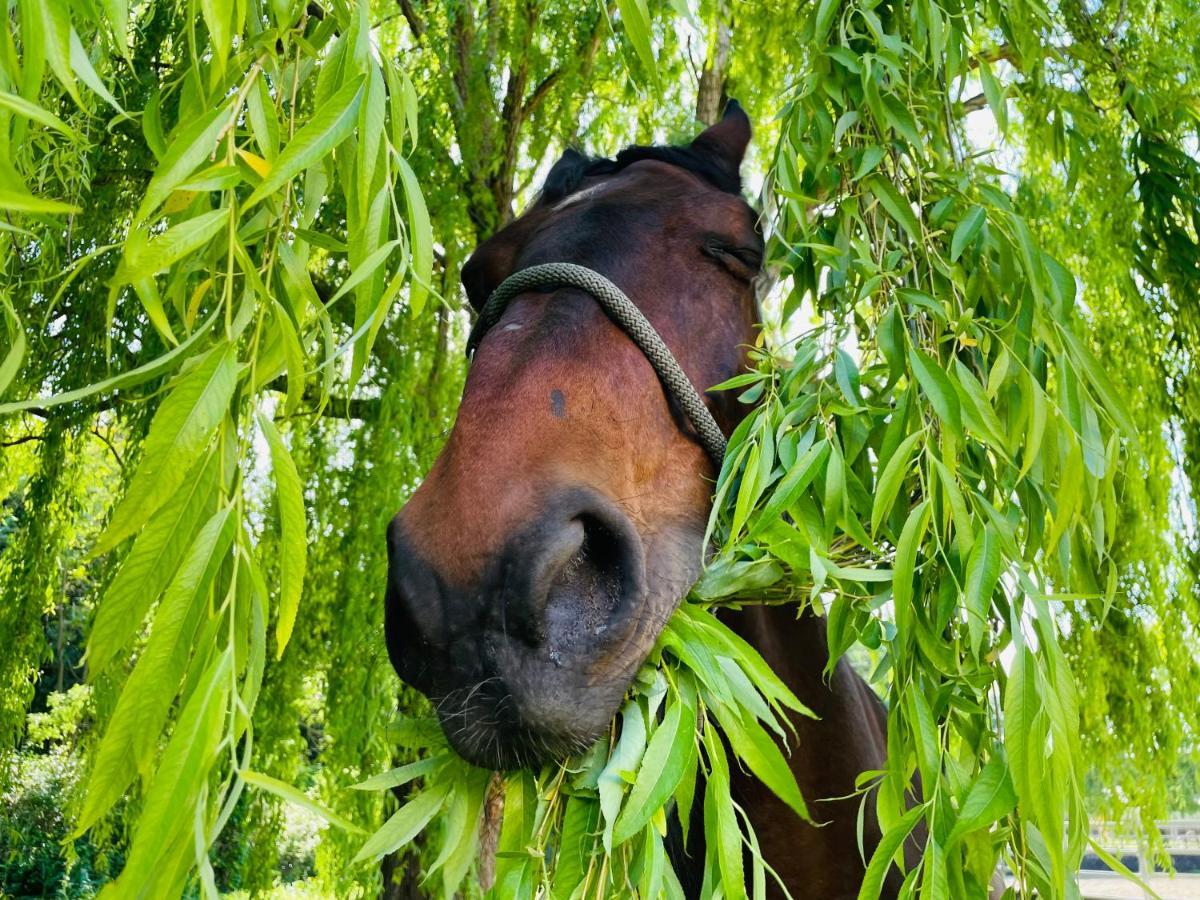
{"points": [[231, 241]]}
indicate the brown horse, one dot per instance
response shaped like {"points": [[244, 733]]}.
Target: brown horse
{"points": [[563, 522]]}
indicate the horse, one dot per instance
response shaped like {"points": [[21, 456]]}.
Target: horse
{"points": [[531, 572]]}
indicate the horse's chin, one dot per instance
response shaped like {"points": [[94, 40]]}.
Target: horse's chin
{"points": [[500, 726]]}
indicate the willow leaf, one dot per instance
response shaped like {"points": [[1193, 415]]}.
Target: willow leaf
{"points": [[330, 125], [33, 112], [179, 778], [293, 541], [660, 771], [142, 708], [420, 236], [636, 17], [936, 385], [990, 798], [192, 144], [759, 752], [132, 378], [983, 573], [896, 206], [885, 851], [17, 199], [16, 347], [721, 831], [150, 565], [179, 433], [626, 757], [145, 258], [891, 479], [292, 795], [904, 568], [966, 230], [408, 821]]}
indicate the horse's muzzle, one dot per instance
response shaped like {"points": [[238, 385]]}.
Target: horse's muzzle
{"points": [[531, 661]]}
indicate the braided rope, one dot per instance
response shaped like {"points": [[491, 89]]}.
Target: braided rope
{"points": [[621, 310]]}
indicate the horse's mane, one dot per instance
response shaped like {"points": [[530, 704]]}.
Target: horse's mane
{"points": [[568, 173]]}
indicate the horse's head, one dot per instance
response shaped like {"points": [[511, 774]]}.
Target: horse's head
{"points": [[532, 571]]}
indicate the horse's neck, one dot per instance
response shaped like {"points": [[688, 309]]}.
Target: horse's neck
{"points": [[826, 757], [850, 714]]}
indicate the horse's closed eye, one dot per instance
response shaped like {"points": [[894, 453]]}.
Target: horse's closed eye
{"points": [[741, 261]]}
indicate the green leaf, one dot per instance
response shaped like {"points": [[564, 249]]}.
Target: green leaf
{"points": [[16, 199], [1114, 404], [1021, 705], [33, 112], [292, 795], [823, 20], [144, 258], [870, 159], [897, 206], [293, 539], [150, 565], [192, 144], [904, 568], [403, 774], [625, 757], [660, 771], [420, 237], [332, 123], [789, 488], [56, 31], [983, 572], [181, 430], [218, 17], [994, 93], [966, 231], [885, 851], [460, 826], [364, 270], [176, 785], [636, 17], [936, 385], [990, 799], [81, 64], [408, 821], [16, 346], [132, 734], [293, 355], [460, 831], [720, 820], [920, 720], [758, 751], [891, 479], [977, 408]]}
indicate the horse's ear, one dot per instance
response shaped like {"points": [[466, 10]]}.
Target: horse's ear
{"points": [[565, 175], [726, 141], [490, 264]]}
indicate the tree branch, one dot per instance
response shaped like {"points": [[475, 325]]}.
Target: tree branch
{"points": [[543, 88], [22, 440], [362, 408], [974, 104], [415, 23], [1005, 52]]}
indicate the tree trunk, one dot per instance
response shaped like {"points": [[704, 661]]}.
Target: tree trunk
{"points": [[710, 95]]}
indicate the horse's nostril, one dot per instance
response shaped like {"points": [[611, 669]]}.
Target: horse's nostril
{"points": [[587, 591], [581, 573]]}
